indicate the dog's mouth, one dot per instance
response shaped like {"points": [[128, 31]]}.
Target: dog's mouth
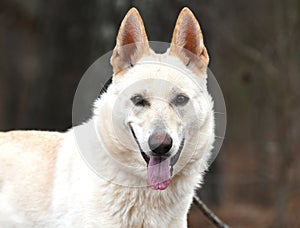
{"points": [[159, 168]]}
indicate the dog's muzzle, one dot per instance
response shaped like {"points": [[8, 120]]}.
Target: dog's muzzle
{"points": [[159, 161]]}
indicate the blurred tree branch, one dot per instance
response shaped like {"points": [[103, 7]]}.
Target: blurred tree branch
{"points": [[242, 48]]}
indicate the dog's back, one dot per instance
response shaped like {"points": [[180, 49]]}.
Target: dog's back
{"points": [[27, 163]]}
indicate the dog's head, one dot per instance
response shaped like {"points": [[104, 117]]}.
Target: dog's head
{"points": [[162, 99]]}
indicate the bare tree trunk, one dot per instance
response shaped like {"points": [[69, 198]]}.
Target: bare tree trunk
{"points": [[287, 111]]}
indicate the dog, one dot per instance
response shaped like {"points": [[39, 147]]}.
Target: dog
{"points": [[149, 142]]}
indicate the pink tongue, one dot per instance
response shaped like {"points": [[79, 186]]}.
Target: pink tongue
{"points": [[159, 172]]}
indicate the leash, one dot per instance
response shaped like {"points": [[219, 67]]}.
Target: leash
{"points": [[208, 213]]}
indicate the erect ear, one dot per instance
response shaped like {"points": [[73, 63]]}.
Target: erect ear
{"points": [[187, 42], [132, 42]]}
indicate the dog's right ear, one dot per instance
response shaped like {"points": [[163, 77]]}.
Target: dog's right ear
{"points": [[132, 42]]}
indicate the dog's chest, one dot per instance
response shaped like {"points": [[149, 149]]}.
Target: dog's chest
{"points": [[141, 208]]}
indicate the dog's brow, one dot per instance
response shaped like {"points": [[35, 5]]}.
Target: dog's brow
{"points": [[175, 90]]}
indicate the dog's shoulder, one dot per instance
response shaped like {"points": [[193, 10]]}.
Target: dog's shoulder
{"points": [[29, 148], [27, 162], [41, 140]]}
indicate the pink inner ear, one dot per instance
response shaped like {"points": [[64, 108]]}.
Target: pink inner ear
{"points": [[127, 37], [191, 38], [131, 31]]}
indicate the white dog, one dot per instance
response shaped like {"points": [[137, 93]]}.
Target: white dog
{"points": [[148, 143]]}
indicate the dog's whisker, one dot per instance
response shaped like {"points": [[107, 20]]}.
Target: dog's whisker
{"points": [[220, 113]]}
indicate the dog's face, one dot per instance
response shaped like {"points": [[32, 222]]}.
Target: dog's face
{"points": [[161, 101]]}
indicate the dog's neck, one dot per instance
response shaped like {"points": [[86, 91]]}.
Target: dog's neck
{"points": [[142, 206]]}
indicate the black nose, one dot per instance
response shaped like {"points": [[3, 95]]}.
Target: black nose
{"points": [[160, 143]]}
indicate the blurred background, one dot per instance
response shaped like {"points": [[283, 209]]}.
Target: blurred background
{"points": [[46, 46]]}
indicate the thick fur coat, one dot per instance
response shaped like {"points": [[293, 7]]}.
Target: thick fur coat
{"points": [[46, 180]]}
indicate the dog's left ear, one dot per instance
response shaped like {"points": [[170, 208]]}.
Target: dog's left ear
{"points": [[187, 42], [132, 42]]}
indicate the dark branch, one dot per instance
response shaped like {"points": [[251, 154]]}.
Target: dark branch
{"points": [[208, 213]]}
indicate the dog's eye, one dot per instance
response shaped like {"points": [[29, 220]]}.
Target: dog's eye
{"points": [[138, 100], [181, 100]]}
